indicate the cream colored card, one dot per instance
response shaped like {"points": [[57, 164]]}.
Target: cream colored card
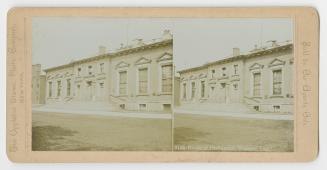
{"points": [[162, 84]]}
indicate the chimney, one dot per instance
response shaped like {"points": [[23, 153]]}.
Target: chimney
{"points": [[102, 50], [167, 34], [139, 41], [236, 52], [273, 43]]}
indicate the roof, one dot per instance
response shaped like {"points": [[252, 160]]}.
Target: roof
{"points": [[121, 51], [255, 52]]}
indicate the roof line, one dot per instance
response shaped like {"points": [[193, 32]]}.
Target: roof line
{"points": [[113, 54], [242, 56]]}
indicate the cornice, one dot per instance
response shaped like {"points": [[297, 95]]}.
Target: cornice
{"points": [[258, 53], [115, 54]]}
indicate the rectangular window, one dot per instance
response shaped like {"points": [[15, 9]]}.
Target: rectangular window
{"points": [[101, 85], [101, 67], [202, 88], [277, 82], [184, 90], [276, 108], [68, 87], [79, 70], [142, 107], [50, 89], [90, 70], [89, 83], [236, 69], [78, 91], [166, 78], [256, 84], [235, 86], [143, 80], [123, 83], [193, 90], [223, 71], [166, 107], [58, 88], [213, 73]]}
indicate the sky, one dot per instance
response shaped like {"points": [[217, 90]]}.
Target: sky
{"points": [[59, 40]]}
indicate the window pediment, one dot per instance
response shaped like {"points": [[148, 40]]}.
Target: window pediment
{"points": [[202, 75], [276, 62], [67, 74], [184, 79], [166, 56], [192, 77], [142, 60], [212, 82], [58, 76], [256, 66], [122, 64], [49, 77]]}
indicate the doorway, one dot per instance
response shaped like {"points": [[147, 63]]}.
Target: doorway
{"points": [[89, 91]]}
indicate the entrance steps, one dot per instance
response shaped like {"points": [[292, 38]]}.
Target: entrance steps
{"points": [[78, 105], [96, 108], [215, 107]]}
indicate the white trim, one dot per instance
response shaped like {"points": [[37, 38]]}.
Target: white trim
{"points": [[271, 87], [182, 90], [48, 89], [165, 57], [78, 91], [100, 92], [276, 62], [142, 66], [142, 61], [163, 63], [191, 97], [256, 66], [119, 70], [205, 87], [99, 67], [70, 90], [252, 72], [146, 106], [121, 65]]}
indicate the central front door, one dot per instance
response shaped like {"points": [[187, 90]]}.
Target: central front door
{"points": [[224, 98], [89, 91], [223, 93]]}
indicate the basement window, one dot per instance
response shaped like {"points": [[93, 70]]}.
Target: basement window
{"points": [[235, 86], [276, 108], [142, 106]]}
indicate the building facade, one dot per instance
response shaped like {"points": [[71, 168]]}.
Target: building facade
{"points": [[38, 85], [261, 79], [133, 77]]}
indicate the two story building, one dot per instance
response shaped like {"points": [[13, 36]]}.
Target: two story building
{"points": [[261, 79], [133, 77], [38, 85]]}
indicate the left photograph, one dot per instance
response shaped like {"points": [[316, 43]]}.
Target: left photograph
{"points": [[102, 84]]}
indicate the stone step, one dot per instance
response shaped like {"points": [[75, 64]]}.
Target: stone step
{"points": [[219, 107], [104, 106]]}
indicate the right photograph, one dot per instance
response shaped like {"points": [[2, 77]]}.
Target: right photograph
{"points": [[233, 85]]}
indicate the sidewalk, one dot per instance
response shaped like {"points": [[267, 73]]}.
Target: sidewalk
{"points": [[254, 115], [146, 115]]}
